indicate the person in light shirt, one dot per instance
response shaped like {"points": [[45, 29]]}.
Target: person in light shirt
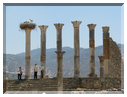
{"points": [[35, 71], [19, 74], [42, 70]]}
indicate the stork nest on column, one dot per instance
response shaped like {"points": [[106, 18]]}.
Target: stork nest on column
{"points": [[27, 25]]}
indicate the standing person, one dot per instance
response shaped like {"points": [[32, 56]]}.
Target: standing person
{"points": [[42, 70], [35, 71], [19, 74]]}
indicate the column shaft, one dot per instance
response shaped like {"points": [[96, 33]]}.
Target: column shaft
{"points": [[106, 50], [59, 39], [76, 53], [27, 55], [91, 50], [60, 69], [76, 49], [43, 48], [102, 77]]}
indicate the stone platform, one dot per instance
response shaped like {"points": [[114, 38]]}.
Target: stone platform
{"points": [[69, 84]]}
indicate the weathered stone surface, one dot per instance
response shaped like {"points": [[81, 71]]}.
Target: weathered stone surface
{"points": [[59, 35], [27, 27], [60, 69], [115, 60], [91, 44], [106, 48], [43, 29], [76, 49], [91, 50]]}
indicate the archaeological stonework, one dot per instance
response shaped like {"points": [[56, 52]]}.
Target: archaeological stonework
{"points": [[111, 64], [115, 60]]}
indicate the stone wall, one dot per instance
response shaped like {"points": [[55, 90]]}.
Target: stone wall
{"points": [[4, 86], [112, 82], [115, 60]]}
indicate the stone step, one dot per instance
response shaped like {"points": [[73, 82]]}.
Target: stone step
{"points": [[35, 86], [33, 89], [38, 83]]}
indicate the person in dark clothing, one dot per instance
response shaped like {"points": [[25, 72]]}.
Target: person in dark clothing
{"points": [[19, 74], [35, 71]]}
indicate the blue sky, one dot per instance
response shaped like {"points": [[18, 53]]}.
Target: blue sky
{"points": [[48, 15]]}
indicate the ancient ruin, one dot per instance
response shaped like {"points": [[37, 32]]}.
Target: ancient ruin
{"points": [[43, 48], [27, 27], [76, 49], [111, 64], [92, 50]]}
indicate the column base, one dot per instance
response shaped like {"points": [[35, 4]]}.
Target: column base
{"points": [[77, 75], [39, 76], [27, 77], [92, 75]]}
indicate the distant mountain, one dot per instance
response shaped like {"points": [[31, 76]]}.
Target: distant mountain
{"points": [[14, 61]]}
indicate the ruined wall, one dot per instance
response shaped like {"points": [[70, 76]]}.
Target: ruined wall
{"points": [[115, 60]]}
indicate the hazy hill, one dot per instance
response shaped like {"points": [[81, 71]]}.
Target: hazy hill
{"points": [[14, 61]]}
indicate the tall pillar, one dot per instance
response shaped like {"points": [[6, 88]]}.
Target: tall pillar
{"points": [[27, 58], [59, 38], [60, 69], [27, 27], [102, 72], [92, 50], [106, 49], [76, 49], [59, 53], [43, 48]]}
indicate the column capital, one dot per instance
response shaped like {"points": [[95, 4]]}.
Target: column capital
{"points": [[58, 25], [76, 23], [60, 53], [105, 29], [43, 27], [91, 26], [101, 58]]}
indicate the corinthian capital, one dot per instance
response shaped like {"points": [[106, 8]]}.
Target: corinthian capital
{"points": [[91, 26], [58, 25], [43, 27], [76, 23], [105, 29]]}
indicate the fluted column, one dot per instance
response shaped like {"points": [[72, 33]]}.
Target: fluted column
{"points": [[102, 72], [92, 50], [59, 53], [106, 50], [60, 69], [101, 66], [76, 48], [27, 54], [59, 35], [27, 27], [59, 38], [43, 48]]}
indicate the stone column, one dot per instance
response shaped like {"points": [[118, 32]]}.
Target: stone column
{"points": [[59, 53], [60, 69], [102, 72], [43, 48], [59, 38], [27, 27], [91, 50], [59, 35], [76, 48], [101, 66], [106, 49], [27, 56]]}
